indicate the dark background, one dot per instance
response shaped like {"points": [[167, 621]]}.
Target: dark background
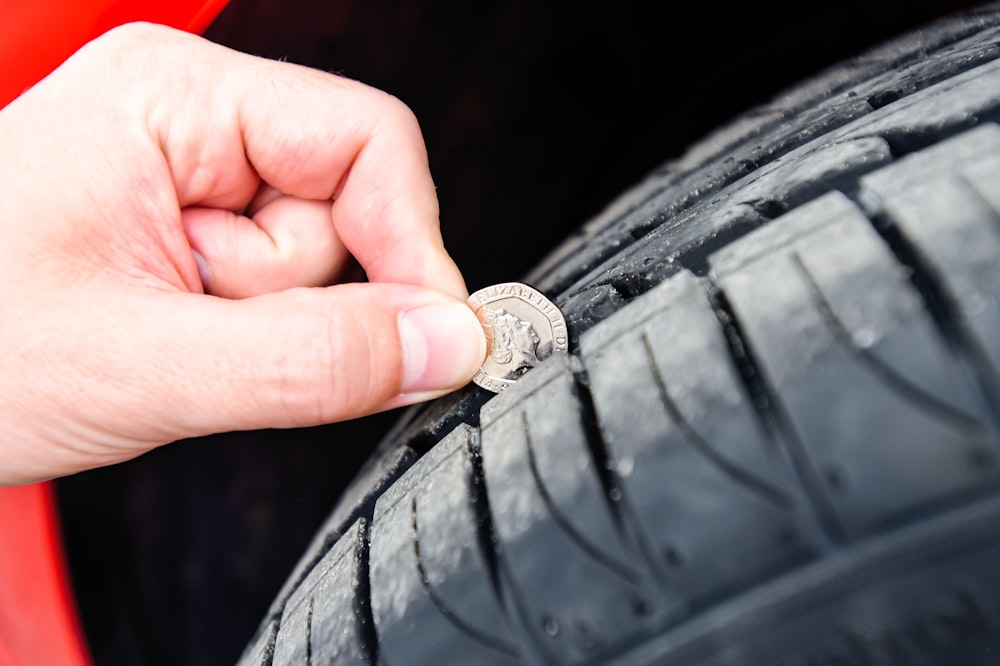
{"points": [[536, 114]]}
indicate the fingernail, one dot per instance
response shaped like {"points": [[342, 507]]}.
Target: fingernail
{"points": [[202, 265], [443, 346]]}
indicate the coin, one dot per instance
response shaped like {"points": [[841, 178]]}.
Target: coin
{"points": [[522, 327]]}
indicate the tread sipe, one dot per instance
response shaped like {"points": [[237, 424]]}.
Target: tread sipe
{"points": [[775, 437]]}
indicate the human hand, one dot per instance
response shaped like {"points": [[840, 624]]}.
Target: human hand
{"points": [[151, 147]]}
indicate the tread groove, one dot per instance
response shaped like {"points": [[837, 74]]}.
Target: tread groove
{"points": [[309, 623], [364, 619], [760, 488], [475, 634], [822, 523], [479, 501], [271, 641], [890, 378], [943, 310], [616, 498], [489, 548], [625, 573]]}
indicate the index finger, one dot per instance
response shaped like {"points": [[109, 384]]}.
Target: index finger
{"points": [[307, 133], [385, 207]]}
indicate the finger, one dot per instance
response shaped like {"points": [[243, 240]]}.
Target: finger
{"points": [[306, 133], [385, 207], [305, 356], [289, 242]]}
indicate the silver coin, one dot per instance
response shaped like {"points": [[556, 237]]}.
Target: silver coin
{"points": [[523, 328]]}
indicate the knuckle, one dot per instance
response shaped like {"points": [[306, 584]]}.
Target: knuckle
{"points": [[128, 36], [402, 114], [131, 53]]}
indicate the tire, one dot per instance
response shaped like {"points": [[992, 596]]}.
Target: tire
{"points": [[774, 439]]}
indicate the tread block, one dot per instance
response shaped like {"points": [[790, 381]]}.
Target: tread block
{"points": [[954, 223], [962, 152], [946, 106], [319, 624], [688, 447], [927, 596], [430, 585], [884, 418], [549, 506], [785, 182]]}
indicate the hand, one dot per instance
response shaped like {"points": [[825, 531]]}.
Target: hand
{"points": [[172, 215]]}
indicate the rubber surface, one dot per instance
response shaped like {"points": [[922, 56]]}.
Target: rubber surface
{"points": [[774, 441]]}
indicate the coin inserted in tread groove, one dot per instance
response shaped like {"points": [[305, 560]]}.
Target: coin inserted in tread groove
{"points": [[522, 327]]}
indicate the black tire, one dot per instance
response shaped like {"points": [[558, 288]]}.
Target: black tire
{"points": [[774, 440]]}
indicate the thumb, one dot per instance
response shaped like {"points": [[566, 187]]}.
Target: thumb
{"points": [[306, 357]]}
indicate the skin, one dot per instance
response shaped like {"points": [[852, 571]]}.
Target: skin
{"points": [[175, 220]]}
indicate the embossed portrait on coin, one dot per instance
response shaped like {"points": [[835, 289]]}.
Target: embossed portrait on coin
{"points": [[515, 342]]}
